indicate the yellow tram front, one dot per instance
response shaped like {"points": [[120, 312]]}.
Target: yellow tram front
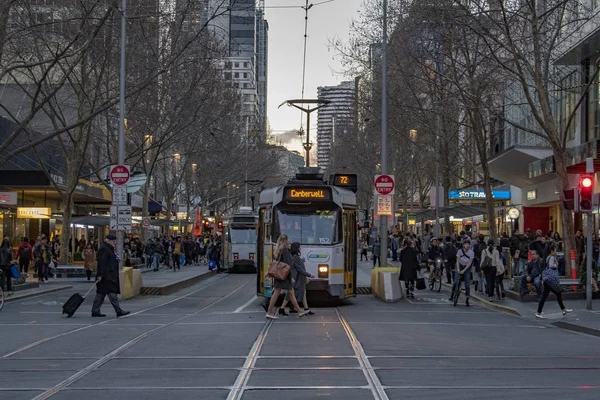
{"points": [[322, 218]]}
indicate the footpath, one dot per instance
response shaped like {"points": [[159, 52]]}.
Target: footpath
{"points": [[160, 283], [580, 320]]}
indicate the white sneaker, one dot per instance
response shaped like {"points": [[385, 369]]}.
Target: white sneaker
{"points": [[539, 315], [566, 311], [302, 314]]}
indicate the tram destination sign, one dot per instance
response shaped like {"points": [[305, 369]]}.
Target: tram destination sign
{"points": [[307, 193]]}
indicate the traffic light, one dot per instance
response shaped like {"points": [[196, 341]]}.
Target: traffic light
{"points": [[571, 201], [586, 193], [207, 224], [220, 224]]}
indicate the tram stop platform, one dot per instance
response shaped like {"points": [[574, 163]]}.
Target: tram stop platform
{"points": [[166, 281]]}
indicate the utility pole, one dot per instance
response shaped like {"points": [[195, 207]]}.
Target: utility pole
{"points": [[246, 179], [121, 152], [383, 222]]}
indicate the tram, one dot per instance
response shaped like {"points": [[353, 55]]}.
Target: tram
{"points": [[322, 218], [239, 241]]}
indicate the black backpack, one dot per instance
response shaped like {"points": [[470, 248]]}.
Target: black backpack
{"points": [[25, 254]]}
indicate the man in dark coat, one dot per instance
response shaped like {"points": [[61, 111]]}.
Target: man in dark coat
{"points": [[107, 278]]}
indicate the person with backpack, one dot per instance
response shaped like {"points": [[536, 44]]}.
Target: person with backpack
{"points": [[478, 251], [6, 262], [450, 258], [24, 255], [551, 283], [490, 260]]}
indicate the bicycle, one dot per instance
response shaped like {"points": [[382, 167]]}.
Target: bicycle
{"points": [[436, 283], [461, 279], [1, 293]]}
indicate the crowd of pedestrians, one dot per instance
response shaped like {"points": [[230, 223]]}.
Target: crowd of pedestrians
{"points": [[173, 252]]}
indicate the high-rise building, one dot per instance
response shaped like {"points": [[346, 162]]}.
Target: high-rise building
{"points": [[262, 56], [335, 119]]}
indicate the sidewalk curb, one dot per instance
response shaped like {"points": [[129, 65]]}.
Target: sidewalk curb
{"points": [[576, 328], [175, 286], [489, 304], [41, 293]]}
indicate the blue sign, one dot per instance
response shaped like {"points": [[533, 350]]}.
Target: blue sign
{"points": [[477, 194]]}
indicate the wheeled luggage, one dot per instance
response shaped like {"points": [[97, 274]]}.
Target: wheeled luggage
{"points": [[74, 302]]}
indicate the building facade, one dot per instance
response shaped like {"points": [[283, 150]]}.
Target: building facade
{"points": [[335, 119]]}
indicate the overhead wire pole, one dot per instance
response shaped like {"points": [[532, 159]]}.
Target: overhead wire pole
{"points": [[121, 151], [383, 222], [246, 178]]}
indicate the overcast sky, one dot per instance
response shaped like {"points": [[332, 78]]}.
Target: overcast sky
{"points": [[286, 40]]}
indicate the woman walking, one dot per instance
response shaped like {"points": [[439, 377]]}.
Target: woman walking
{"points": [[282, 253], [5, 264], [551, 283], [500, 271], [410, 265], [88, 260], [490, 260], [299, 276]]}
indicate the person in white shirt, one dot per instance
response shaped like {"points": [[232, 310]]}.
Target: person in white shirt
{"points": [[464, 261]]}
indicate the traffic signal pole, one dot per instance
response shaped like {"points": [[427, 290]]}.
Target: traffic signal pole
{"points": [[589, 168], [383, 221]]}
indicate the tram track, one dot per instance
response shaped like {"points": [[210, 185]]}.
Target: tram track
{"points": [[110, 356], [82, 328]]}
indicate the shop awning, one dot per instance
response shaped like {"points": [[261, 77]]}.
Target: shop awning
{"points": [[92, 220]]}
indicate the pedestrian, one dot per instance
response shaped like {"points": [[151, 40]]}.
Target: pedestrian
{"points": [[107, 278], [533, 274], [282, 253], [490, 259], [376, 252], [409, 265], [177, 251], [394, 247], [299, 277], [89, 257], [25, 255], [500, 271], [6, 262], [364, 251], [464, 261], [551, 283], [41, 252], [450, 258]]}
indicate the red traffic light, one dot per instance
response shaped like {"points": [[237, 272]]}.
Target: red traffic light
{"points": [[586, 182], [220, 224]]}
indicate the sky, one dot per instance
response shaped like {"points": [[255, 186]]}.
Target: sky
{"points": [[286, 45]]}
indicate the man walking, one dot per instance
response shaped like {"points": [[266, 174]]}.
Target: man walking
{"points": [[108, 278]]}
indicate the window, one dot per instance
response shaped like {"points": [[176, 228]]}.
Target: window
{"points": [[245, 65], [245, 75], [322, 227], [237, 65], [242, 236], [236, 75]]}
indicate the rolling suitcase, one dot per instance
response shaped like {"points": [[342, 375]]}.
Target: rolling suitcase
{"points": [[74, 302]]}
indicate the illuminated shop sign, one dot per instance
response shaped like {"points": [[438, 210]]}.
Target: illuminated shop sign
{"points": [[477, 194], [34, 212], [9, 198]]}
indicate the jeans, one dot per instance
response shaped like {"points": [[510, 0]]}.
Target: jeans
{"points": [[42, 271], [100, 299], [156, 261], [480, 281], [547, 290], [500, 285], [394, 255], [456, 282], [410, 286], [537, 282], [376, 260], [149, 258], [520, 266], [450, 264]]}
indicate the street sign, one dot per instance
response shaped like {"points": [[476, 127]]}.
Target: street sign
{"points": [[119, 195], [119, 175], [384, 184], [120, 217], [146, 222], [384, 204]]}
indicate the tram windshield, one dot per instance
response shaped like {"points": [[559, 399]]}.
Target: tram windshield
{"points": [[242, 236], [314, 227]]}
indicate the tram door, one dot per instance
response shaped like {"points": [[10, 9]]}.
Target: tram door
{"points": [[349, 253]]}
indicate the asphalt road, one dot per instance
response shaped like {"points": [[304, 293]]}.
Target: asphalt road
{"points": [[211, 341]]}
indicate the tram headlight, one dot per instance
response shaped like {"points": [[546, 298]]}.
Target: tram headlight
{"points": [[236, 256], [323, 271]]}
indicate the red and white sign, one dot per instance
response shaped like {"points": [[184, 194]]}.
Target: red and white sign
{"points": [[384, 184], [119, 175]]}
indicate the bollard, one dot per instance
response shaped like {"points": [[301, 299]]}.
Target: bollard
{"points": [[573, 267]]}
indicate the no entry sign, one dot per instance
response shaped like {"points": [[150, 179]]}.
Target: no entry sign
{"points": [[119, 175], [384, 184]]}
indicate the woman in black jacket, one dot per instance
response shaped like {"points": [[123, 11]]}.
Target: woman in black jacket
{"points": [[410, 265], [5, 264]]}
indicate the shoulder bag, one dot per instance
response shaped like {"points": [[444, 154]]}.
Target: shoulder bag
{"points": [[278, 269]]}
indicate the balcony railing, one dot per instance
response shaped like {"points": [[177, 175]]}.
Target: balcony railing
{"points": [[541, 167]]}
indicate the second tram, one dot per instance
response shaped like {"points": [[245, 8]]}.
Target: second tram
{"points": [[322, 218], [239, 241]]}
